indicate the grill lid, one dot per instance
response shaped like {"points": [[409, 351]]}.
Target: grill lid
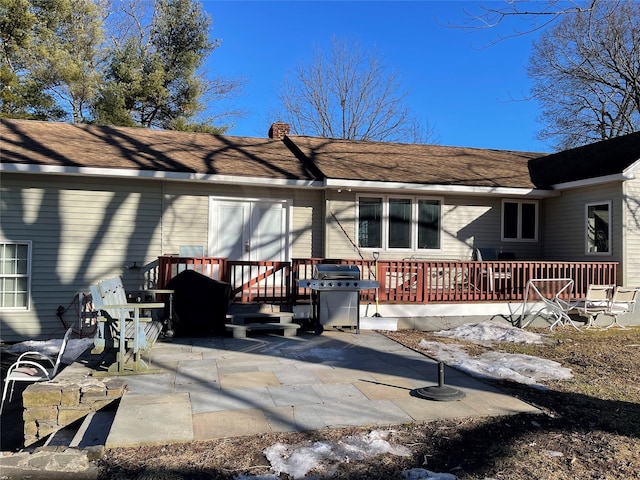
{"points": [[331, 271], [338, 284]]}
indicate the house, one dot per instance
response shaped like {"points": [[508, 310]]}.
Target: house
{"points": [[81, 203]]}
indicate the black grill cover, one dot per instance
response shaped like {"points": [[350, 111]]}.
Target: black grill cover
{"points": [[200, 304]]}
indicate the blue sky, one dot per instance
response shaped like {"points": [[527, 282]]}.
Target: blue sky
{"points": [[470, 88]]}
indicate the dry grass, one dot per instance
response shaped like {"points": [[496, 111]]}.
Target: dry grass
{"points": [[591, 429]]}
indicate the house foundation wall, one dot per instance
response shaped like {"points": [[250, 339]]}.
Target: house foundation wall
{"points": [[442, 316]]}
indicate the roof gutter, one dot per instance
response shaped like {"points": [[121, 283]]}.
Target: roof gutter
{"points": [[617, 177], [155, 175], [439, 189], [361, 185]]}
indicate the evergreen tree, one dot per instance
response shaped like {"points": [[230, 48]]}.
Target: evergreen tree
{"points": [[22, 95], [152, 79]]}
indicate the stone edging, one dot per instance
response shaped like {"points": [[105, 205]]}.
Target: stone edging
{"points": [[72, 395]]}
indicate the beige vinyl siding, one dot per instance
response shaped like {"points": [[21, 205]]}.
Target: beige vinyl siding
{"points": [[564, 223], [81, 231], [467, 223], [341, 226], [84, 230], [185, 222], [631, 232], [187, 215], [307, 224]]}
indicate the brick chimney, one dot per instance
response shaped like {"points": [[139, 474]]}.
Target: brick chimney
{"points": [[279, 130]]}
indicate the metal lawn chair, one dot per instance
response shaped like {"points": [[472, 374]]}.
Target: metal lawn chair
{"points": [[597, 301], [28, 369], [623, 301], [490, 254]]}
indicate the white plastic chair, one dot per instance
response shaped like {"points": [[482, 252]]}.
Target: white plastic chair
{"points": [[25, 370]]}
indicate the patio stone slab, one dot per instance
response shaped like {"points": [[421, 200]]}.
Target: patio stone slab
{"points": [[276, 384], [281, 419], [248, 380], [338, 392], [293, 395], [346, 414], [152, 420], [229, 423], [294, 376], [237, 399], [196, 374], [375, 390], [160, 383]]}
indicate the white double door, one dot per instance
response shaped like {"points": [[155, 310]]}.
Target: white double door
{"points": [[249, 229]]}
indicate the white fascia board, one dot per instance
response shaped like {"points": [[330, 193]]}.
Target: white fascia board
{"points": [[362, 185], [156, 174], [631, 169], [588, 182]]}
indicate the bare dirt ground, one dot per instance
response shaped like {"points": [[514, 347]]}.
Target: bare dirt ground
{"points": [[590, 429]]}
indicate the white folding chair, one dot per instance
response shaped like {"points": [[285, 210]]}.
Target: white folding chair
{"points": [[25, 370], [597, 301], [623, 301]]}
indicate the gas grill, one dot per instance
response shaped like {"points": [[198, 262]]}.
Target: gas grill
{"points": [[336, 294]]}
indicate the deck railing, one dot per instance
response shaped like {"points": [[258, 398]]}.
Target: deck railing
{"points": [[401, 281]]}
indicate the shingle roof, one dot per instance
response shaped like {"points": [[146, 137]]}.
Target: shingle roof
{"points": [[599, 159], [63, 144], [414, 163], [295, 157]]}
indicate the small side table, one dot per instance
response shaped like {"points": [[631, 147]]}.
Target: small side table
{"points": [[154, 292]]}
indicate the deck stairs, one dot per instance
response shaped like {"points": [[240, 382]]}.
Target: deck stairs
{"points": [[260, 318]]}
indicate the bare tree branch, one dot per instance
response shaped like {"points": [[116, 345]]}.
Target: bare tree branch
{"points": [[531, 16], [349, 93], [586, 74]]}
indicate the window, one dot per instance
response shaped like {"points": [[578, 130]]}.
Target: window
{"points": [[429, 224], [370, 223], [598, 228], [520, 220], [399, 223], [15, 267]]}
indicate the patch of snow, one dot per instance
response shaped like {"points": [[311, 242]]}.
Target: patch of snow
{"points": [[553, 453], [422, 474], [267, 476], [51, 348], [525, 369], [492, 332], [298, 460]]}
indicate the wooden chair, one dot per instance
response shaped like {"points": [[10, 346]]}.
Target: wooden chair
{"points": [[122, 324], [28, 369]]}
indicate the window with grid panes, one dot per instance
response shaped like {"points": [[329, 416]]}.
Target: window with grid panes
{"points": [[14, 274]]}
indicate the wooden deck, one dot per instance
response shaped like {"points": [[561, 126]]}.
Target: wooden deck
{"points": [[401, 281]]}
